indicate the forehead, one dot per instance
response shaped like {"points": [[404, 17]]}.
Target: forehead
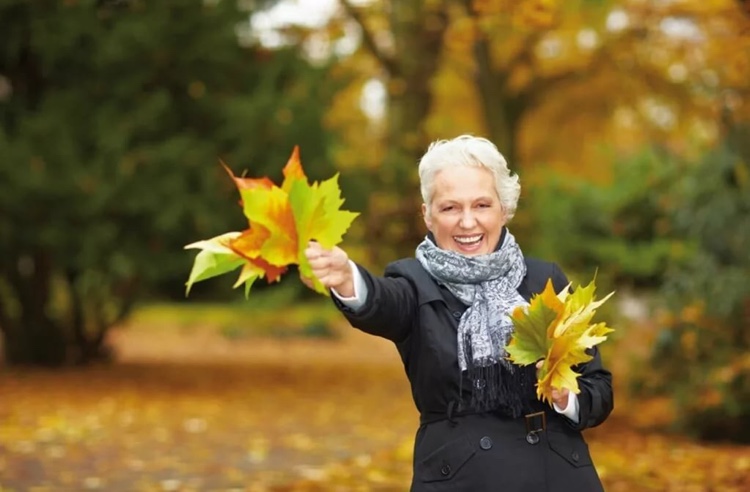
{"points": [[463, 182]]}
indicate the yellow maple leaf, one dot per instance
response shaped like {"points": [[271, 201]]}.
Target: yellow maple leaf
{"points": [[247, 183], [557, 328], [318, 217]]}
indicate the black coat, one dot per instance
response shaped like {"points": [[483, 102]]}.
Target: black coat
{"points": [[477, 452]]}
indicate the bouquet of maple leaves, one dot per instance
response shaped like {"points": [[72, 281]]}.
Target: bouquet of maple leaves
{"points": [[557, 328], [281, 222]]}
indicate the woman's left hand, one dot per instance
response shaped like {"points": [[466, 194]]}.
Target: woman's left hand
{"points": [[559, 396]]}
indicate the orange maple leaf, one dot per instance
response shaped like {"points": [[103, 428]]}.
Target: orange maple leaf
{"points": [[293, 171], [270, 208], [247, 183], [258, 268], [249, 243]]}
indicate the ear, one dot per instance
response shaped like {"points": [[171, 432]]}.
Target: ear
{"points": [[426, 216], [504, 217]]}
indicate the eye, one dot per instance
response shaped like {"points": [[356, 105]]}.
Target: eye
{"points": [[484, 205], [447, 208]]}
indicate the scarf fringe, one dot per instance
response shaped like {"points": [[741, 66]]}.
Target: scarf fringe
{"points": [[499, 387]]}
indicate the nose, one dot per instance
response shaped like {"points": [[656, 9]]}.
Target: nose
{"points": [[468, 221]]}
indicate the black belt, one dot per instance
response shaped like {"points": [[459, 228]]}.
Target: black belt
{"points": [[535, 422], [451, 414]]}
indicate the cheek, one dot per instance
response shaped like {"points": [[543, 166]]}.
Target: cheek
{"points": [[443, 226], [492, 221], [501, 222]]}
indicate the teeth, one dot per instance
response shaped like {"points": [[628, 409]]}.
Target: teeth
{"points": [[469, 239]]}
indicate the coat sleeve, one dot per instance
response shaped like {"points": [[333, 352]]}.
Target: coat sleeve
{"points": [[596, 399], [390, 306]]}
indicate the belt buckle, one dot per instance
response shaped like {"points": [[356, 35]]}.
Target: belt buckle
{"points": [[530, 422]]}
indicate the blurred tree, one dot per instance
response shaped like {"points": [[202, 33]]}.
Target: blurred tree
{"points": [[622, 228], [405, 39], [409, 41], [534, 76], [112, 116], [701, 355]]}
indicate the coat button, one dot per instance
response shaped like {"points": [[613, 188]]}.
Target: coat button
{"points": [[532, 438], [485, 443], [445, 470], [574, 456], [457, 314]]}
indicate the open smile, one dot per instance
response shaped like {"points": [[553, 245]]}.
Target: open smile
{"points": [[469, 244]]}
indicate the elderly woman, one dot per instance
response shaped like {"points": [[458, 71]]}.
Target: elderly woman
{"points": [[448, 313]]}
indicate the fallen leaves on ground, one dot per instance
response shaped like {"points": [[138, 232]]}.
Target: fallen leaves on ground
{"points": [[200, 413]]}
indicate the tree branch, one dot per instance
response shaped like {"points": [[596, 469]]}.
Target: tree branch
{"points": [[602, 58], [388, 62]]}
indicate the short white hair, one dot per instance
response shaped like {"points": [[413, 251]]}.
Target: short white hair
{"points": [[468, 150]]}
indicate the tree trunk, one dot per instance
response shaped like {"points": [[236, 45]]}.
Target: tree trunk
{"points": [[500, 122], [32, 337], [42, 344], [418, 32], [502, 109]]}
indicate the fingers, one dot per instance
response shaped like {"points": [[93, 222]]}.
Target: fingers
{"points": [[307, 282], [313, 251], [319, 258], [330, 267], [560, 397]]}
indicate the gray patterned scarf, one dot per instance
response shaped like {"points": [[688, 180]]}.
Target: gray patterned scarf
{"points": [[488, 284]]}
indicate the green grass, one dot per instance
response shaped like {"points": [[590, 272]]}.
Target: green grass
{"points": [[262, 315]]}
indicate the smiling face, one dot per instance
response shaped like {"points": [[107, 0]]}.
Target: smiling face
{"points": [[465, 215]]}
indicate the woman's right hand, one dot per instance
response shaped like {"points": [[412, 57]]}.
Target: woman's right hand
{"points": [[331, 267]]}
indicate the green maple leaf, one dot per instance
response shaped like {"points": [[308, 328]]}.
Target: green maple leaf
{"points": [[530, 342], [214, 259]]}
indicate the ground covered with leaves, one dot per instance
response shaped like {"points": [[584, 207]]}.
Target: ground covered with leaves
{"points": [[190, 410]]}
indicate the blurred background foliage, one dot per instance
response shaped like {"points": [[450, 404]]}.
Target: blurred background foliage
{"points": [[626, 119]]}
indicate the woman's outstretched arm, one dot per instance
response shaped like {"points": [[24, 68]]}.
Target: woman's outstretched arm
{"points": [[382, 306]]}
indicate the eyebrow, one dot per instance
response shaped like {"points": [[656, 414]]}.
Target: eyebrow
{"points": [[445, 201]]}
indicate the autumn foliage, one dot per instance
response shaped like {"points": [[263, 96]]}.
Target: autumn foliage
{"points": [[557, 328], [282, 220], [188, 411]]}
